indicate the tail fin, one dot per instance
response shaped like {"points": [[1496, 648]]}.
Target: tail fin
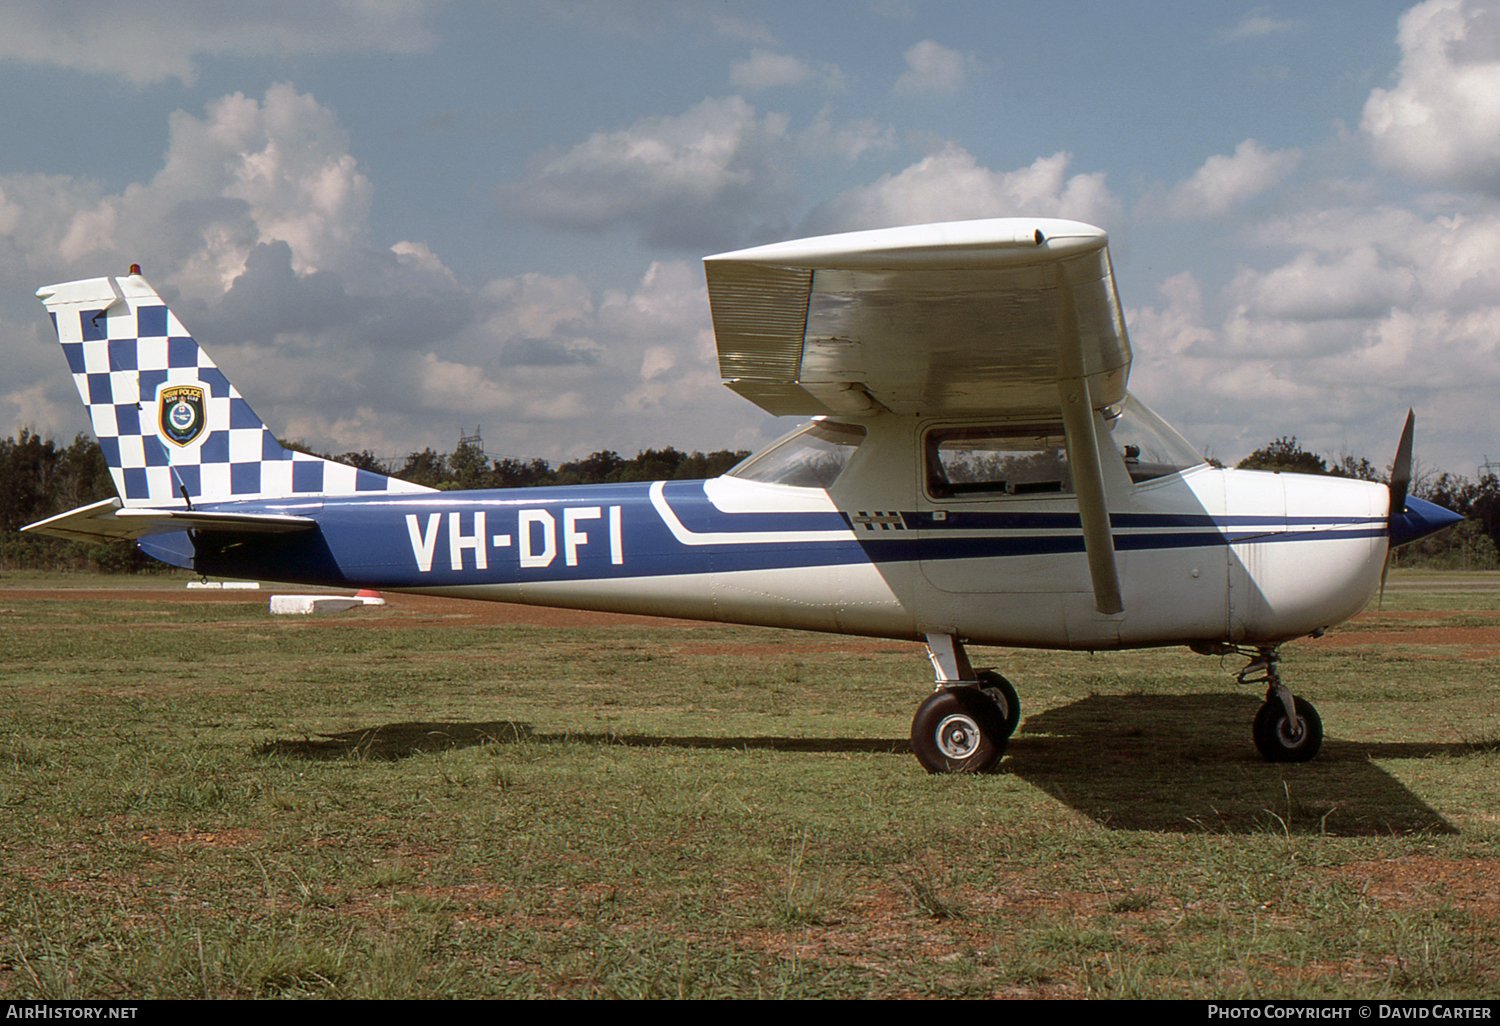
{"points": [[174, 431]]}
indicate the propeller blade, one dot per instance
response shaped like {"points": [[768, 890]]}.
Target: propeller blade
{"points": [[1400, 485], [1401, 468], [1385, 568]]}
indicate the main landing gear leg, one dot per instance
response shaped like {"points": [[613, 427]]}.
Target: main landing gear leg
{"points": [[1287, 728], [966, 724]]}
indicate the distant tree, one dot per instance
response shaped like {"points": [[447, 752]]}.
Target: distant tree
{"points": [[1286, 455], [1484, 507], [704, 465], [468, 468], [362, 460], [597, 468], [514, 473], [25, 467], [38, 479], [653, 465], [425, 468], [1360, 469], [667, 464]]}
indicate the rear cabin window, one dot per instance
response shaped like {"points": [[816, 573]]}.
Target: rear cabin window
{"points": [[989, 461], [813, 456]]}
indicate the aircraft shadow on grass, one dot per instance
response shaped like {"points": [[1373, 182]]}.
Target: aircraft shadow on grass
{"points": [[1180, 763], [1174, 763]]}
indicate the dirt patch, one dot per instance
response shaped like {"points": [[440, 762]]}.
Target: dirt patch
{"points": [[1415, 881], [1390, 628], [423, 605], [175, 839]]}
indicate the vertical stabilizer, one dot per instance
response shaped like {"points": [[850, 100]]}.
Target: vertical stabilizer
{"points": [[174, 431]]}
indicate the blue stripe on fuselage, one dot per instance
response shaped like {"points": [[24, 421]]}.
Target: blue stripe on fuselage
{"points": [[590, 532]]}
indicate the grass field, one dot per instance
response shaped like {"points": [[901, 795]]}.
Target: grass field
{"points": [[435, 799]]}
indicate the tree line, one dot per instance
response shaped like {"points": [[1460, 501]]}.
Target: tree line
{"points": [[40, 478]]}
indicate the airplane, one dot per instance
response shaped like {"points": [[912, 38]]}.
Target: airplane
{"points": [[974, 472]]}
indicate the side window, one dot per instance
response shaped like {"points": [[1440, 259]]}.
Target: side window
{"points": [[813, 456], [994, 460]]}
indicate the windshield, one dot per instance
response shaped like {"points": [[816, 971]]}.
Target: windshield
{"points": [[813, 456], [1152, 448]]}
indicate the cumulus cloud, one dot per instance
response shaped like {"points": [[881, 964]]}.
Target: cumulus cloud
{"points": [[848, 140], [1257, 23], [248, 173], [151, 40], [766, 69], [689, 181], [256, 229], [1440, 122], [622, 368], [1367, 311], [934, 70], [1225, 183], [712, 178], [1311, 287], [950, 185]]}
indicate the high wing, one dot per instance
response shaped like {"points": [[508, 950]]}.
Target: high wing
{"points": [[1015, 316], [968, 316]]}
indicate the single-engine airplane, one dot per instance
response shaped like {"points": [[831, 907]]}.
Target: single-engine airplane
{"points": [[974, 472]]}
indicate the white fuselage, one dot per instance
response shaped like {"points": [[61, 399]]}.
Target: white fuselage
{"points": [[1204, 555]]}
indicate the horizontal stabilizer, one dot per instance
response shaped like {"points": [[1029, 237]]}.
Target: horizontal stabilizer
{"points": [[105, 521]]}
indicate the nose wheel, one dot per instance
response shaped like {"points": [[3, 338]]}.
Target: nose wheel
{"points": [[1283, 738], [1286, 728]]}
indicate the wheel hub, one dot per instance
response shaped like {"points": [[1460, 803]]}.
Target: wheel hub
{"points": [[958, 736]]}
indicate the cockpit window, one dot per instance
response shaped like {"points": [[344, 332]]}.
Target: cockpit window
{"points": [[813, 456], [992, 460], [1152, 448], [1013, 459]]}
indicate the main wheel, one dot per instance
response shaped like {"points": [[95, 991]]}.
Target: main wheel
{"points": [[959, 730], [1279, 740], [1004, 695]]}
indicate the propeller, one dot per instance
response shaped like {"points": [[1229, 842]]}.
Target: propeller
{"points": [[1400, 485]]}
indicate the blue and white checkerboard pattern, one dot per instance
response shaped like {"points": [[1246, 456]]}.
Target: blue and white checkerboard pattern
{"points": [[122, 351]]}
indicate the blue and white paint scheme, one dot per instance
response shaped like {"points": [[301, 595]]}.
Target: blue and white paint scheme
{"points": [[975, 471]]}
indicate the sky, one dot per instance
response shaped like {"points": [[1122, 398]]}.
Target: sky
{"points": [[393, 221]]}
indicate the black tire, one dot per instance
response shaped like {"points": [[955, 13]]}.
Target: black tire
{"points": [[1275, 739], [959, 730], [1004, 695]]}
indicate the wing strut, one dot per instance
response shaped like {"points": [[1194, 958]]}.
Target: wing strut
{"points": [[1083, 451]]}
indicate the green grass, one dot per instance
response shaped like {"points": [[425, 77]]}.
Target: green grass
{"points": [[201, 800]]}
